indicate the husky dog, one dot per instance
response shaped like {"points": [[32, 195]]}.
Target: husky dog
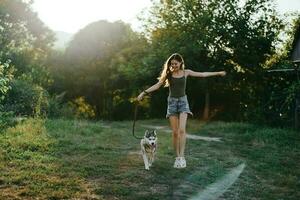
{"points": [[148, 147]]}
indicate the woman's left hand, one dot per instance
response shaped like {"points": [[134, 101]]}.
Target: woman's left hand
{"points": [[222, 73]]}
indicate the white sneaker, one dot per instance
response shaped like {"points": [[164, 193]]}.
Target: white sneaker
{"points": [[177, 163], [182, 162]]}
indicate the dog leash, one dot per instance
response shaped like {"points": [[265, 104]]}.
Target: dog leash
{"points": [[134, 120]]}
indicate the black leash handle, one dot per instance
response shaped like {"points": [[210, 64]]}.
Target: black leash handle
{"points": [[134, 120]]}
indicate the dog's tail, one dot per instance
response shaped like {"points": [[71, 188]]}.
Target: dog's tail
{"points": [[134, 120]]}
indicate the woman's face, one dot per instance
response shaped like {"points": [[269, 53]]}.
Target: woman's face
{"points": [[175, 65]]}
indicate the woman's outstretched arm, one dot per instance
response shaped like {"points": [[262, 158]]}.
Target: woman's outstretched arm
{"points": [[204, 74], [154, 87]]}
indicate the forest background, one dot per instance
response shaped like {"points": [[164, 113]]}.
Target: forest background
{"points": [[107, 64]]}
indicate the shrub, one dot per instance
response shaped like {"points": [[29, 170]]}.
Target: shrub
{"points": [[82, 108], [6, 120], [6, 75], [27, 99], [57, 108]]}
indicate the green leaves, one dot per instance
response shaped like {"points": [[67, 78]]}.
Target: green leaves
{"points": [[5, 78]]}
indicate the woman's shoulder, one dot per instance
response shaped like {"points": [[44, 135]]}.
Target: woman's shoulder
{"points": [[187, 72]]}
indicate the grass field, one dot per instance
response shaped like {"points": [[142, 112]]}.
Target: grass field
{"points": [[65, 159]]}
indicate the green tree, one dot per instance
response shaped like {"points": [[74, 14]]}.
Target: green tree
{"points": [[24, 41], [282, 86], [21, 29], [94, 64], [218, 35]]}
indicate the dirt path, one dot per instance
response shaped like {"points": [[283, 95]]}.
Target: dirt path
{"points": [[189, 136], [209, 139], [216, 189]]}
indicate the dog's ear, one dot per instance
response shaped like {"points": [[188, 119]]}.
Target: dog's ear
{"points": [[154, 131], [146, 133]]}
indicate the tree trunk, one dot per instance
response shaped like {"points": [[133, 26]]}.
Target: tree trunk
{"points": [[206, 106]]}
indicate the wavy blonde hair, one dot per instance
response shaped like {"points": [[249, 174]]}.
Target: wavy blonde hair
{"points": [[166, 72]]}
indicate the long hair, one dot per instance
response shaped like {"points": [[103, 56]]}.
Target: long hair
{"points": [[166, 72]]}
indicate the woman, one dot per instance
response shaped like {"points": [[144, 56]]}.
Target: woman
{"points": [[174, 76]]}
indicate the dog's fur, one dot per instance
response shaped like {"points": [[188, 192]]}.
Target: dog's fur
{"points": [[148, 147]]}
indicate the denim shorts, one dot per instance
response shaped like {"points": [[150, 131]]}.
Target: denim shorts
{"points": [[178, 105]]}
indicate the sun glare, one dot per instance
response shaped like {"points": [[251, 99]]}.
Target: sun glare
{"points": [[70, 15]]}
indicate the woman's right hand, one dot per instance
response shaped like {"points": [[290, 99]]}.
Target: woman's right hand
{"points": [[140, 97]]}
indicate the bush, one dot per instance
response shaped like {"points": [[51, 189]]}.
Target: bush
{"points": [[27, 99], [6, 120], [77, 108], [82, 109], [57, 108], [6, 75]]}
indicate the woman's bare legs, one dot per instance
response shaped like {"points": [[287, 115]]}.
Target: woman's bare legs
{"points": [[182, 133], [175, 136], [178, 127]]}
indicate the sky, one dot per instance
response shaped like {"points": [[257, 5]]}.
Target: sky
{"points": [[73, 15]]}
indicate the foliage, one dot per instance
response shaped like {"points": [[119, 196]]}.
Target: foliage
{"points": [[6, 119], [282, 87], [22, 29], [218, 35], [100, 62], [6, 75], [108, 64], [25, 43], [25, 40], [58, 108], [32, 69], [104, 58], [98, 40], [26, 98], [82, 109]]}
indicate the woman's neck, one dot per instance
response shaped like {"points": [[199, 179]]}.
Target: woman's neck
{"points": [[177, 73]]}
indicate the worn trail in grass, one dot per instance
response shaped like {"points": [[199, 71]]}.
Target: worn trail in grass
{"points": [[216, 189]]}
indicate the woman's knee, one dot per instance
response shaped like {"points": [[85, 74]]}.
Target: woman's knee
{"points": [[181, 131], [176, 133]]}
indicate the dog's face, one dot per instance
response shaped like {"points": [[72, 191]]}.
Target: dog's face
{"points": [[150, 137]]}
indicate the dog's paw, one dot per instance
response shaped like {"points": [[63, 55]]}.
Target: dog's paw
{"points": [[147, 168]]}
